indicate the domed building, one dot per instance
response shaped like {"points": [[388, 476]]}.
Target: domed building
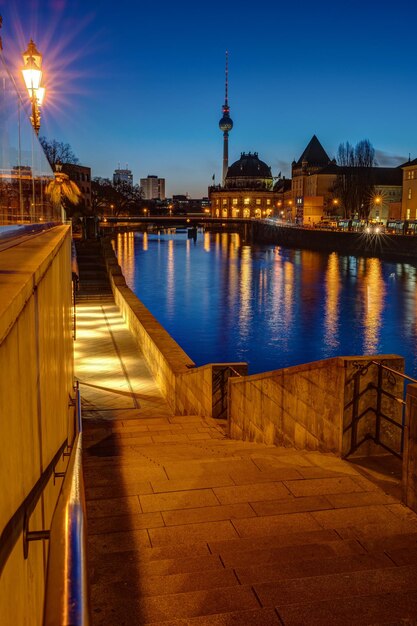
{"points": [[247, 191]]}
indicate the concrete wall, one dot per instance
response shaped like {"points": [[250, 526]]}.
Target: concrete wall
{"points": [[187, 389], [306, 406], [36, 381], [410, 450], [398, 246]]}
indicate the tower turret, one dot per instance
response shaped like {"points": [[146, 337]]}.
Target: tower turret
{"points": [[226, 124]]}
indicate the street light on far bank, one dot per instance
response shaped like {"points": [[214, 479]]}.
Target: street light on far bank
{"points": [[32, 75]]}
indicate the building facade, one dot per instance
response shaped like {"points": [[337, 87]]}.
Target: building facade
{"points": [[123, 176], [409, 191], [81, 175], [247, 192], [314, 187], [153, 187]]}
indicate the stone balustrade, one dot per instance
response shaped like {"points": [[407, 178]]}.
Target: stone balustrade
{"points": [[310, 406]]}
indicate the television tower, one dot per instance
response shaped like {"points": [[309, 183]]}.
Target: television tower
{"points": [[225, 125]]}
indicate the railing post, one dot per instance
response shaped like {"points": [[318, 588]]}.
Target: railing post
{"points": [[378, 405], [410, 449], [355, 412]]}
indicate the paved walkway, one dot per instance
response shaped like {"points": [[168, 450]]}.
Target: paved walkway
{"points": [[189, 528]]}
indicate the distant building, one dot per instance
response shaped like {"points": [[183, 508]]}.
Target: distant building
{"points": [[247, 191], [313, 186], [81, 175], [123, 176], [153, 187], [409, 194]]}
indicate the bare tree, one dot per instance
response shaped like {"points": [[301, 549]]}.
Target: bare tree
{"points": [[57, 151], [354, 184]]}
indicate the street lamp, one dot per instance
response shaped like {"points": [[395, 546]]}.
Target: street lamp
{"points": [[32, 75]]}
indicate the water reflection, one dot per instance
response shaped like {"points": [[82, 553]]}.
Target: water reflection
{"points": [[245, 309], [126, 255], [273, 307], [331, 319], [373, 288]]}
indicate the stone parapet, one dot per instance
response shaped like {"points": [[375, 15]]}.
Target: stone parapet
{"points": [[36, 384], [410, 450], [310, 406], [189, 390]]}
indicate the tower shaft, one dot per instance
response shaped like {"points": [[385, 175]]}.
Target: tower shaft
{"points": [[225, 155]]}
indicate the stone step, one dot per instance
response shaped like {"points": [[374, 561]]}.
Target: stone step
{"points": [[177, 606], [259, 617], [280, 593], [391, 610], [142, 583]]}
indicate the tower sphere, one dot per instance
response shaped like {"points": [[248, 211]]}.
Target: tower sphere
{"points": [[225, 123]]}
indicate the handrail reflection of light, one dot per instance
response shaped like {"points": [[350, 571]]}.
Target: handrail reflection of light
{"points": [[32, 75]]}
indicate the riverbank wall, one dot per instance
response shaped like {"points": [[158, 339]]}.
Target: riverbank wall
{"points": [[36, 409], [351, 243], [189, 390]]}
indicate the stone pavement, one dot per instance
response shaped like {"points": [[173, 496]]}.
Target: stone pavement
{"points": [[186, 527]]}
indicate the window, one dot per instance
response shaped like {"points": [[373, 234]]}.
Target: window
{"points": [[409, 193], [258, 201], [246, 201], [268, 202], [412, 174], [224, 201], [234, 201]]}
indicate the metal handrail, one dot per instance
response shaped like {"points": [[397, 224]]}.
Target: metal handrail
{"points": [[396, 372], [66, 595], [66, 592]]}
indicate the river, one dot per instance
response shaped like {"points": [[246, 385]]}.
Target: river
{"points": [[224, 300]]}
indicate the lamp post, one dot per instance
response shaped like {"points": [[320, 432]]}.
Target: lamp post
{"points": [[32, 75]]}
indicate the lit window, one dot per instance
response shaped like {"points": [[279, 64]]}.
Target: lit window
{"points": [[409, 193], [246, 201], [258, 201], [217, 201], [268, 202], [234, 201], [412, 174], [224, 201]]}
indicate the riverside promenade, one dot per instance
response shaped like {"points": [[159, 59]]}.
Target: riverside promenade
{"points": [[186, 526]]}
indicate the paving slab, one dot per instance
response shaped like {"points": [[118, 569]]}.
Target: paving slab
{"points": [[186, 526], [178, 500], [392, 609], [259, 617], [208, 514]]}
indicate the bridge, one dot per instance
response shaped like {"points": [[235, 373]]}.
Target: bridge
{"points": [[171, 221]]}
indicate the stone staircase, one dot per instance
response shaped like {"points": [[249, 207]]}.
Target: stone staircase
{"points": [[94, 283], [189, 527]]}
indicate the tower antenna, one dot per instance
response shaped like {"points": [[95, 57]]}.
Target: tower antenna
{"points": [[226, 123], [227, 80]]}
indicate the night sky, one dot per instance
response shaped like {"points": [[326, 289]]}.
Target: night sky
{"points": [[143, 83]]}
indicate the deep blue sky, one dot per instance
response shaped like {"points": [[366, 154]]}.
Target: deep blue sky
{"points": [[143, 83]]}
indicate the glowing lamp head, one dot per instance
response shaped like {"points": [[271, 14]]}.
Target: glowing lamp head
{"points": [[32, 67]]}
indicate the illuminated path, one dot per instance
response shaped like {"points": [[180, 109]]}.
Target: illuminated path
{"points": [[187, 527]]}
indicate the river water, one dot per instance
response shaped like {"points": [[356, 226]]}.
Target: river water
{"points": [[224, 300]]}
